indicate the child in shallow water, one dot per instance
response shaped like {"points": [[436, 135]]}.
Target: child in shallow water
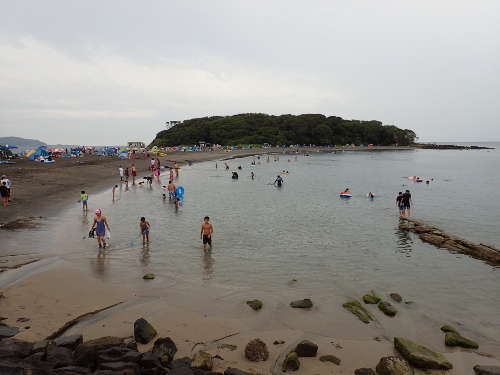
{"points": [[144, 227]]}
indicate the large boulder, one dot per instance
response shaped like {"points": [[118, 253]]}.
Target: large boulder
{"points": [[256, 351], [202, 360], [291, 362], [12, 348], [69, 342], [421, 356], [387, 308], [306, 348], [302, 304], [40, 346], [357, 309], [118, 354], [487, 370], [394, 366], [8, 331], [165, 349], [455, 339], [180, 362], [86, 353], [59, 356], [143, 331], [255, 304]]}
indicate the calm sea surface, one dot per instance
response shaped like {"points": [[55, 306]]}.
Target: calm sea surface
{"points": [[266, 236]]}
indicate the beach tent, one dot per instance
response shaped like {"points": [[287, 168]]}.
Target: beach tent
{"points": [[40, 151]]}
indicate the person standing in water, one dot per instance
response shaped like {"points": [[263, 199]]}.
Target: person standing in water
{"points": [[114, 190], [176, 167], [100, 224], [400, 205], [121, 172], [171, 190], [252, 175], [126, 175], [206, 233], [84, 197], [145, 228], [279, 181], [407, 202], [134, 174]]}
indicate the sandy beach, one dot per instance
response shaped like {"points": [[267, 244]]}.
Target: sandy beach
{"points": [[40, 295]]}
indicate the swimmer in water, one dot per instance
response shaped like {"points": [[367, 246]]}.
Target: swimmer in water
{"points": [[370, 195], [252, 175]]}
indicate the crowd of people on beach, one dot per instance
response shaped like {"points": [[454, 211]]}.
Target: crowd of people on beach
{"points": [[100, 227]]}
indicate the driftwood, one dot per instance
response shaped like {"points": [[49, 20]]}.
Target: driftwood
{"points": [[216, 340], [77, 320]]}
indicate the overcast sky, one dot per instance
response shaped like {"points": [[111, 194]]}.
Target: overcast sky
{"points": [[107, 72]]}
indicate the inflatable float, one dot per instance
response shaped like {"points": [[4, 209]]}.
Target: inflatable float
{"points": [[345, 195]]}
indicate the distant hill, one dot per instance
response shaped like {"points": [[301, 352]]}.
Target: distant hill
{"points": [[259, 128], [22, 143]]}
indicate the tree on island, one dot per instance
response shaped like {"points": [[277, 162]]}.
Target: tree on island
{"points": [[259, 128]]}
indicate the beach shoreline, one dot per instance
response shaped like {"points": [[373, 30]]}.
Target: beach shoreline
{"points": [[44, 189]]}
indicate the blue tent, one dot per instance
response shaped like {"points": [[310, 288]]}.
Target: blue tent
{"points": [[40, 151]]}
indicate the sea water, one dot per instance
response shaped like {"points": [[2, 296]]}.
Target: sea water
{"points": [[267, 238]]}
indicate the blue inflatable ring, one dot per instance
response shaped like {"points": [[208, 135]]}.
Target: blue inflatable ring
{"points": [[179, 192]]}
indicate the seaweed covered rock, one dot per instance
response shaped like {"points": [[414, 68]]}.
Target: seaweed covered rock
{"points": [[291, 362], [448, 328], [165, 349], [421, 356], [455, 339], [255, 304], [235, 371], [202, 360], [387, 308], [306, 348], [330, 358], [256, 351], [143, 331], [302, 304], [357, 309], [393, 366], [371, 298]]}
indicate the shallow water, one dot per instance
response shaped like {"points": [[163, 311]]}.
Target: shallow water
{"points": [[266, 236]]}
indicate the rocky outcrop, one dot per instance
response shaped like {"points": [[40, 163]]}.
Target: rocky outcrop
{"points": [[164, 349], [486, 370], [69, 342], [149, 276], [357, 309], [256, 351], [143, 331], [235, 371], [393, 366], [302, 304], [387, 308], [448, 328], [7, 331], [306, 348], [255, 304], [291, 362], [421, 356], [437, 237]]}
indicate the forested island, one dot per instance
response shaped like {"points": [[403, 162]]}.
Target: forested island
{"points": [[259, 129]]}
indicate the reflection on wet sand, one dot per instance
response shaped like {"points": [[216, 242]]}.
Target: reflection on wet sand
{"points": [[208, 265], [145, 256], [99, 266]]}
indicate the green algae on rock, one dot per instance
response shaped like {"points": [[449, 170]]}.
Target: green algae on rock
{"points": [[357, 309], [421, 356]]}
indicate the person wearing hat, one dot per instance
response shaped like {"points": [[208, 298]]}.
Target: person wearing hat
{"points": [[8, 185], [100, 224]]}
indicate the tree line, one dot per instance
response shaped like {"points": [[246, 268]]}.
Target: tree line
{"points": [[259, 128]]}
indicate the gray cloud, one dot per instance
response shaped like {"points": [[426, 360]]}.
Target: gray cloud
{"points": [[107, 72]]}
